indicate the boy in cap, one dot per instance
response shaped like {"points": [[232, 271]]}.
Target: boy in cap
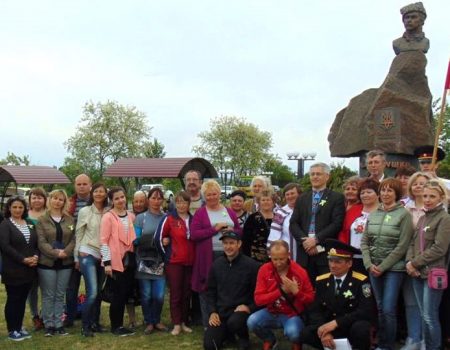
{"points": [[231, 284], [343, 306]]}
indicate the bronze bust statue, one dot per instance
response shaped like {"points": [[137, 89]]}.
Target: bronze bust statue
{"points": [[413, 39]]}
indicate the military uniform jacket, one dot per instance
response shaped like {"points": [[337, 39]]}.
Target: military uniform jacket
{"points": [[355, 302]]}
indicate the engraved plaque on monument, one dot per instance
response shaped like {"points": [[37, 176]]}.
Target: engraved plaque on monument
{"points": [[387, 128]]}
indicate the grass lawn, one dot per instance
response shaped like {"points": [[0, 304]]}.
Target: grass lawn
{"points": [[74, 340]]}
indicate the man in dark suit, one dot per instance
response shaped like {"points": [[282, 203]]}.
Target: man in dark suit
{"points": [[344, 305], [318, 215]]}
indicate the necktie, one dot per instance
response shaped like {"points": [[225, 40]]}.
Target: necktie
{"points": [[315, 204], [338, 286]]}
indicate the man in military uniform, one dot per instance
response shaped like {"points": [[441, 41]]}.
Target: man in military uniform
{"points": [[344, 306], [424, 155]]}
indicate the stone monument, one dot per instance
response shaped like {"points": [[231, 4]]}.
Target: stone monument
{"points": [[397, 116]]}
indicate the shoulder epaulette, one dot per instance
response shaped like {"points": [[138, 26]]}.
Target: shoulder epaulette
{"points": [[324, 276], [358, 276]]}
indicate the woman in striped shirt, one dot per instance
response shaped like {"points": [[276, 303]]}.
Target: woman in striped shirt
{"points": [[18, 244], [116, 247]]}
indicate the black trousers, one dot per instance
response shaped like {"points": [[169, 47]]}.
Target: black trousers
{"points": [[122, 285], [358, 335], [16, 299], [236, 324]]}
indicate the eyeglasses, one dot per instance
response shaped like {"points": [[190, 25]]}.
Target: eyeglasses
{"points": [[435, 185]]}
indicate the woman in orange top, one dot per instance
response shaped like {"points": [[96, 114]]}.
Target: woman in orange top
{"points": [[116, 247]]}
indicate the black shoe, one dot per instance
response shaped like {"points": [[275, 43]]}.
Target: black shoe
{"points": [[49, 332], [97, 328], [122, 332], [60, 331], [87, 332]]}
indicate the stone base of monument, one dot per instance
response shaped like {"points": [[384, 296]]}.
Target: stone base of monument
{"points": [[393, 161], [395, 118]]}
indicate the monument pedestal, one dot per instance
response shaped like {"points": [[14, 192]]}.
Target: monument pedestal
{"points": [[393, 161]]}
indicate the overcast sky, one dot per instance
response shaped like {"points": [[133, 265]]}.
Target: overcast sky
{"points": [[286, 66]]}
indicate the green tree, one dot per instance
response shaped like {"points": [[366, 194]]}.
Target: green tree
{"points": [[444, 138], [338, 174], [232, 143], [281, 173], [13, 159], [108, 131], [153, 149]]}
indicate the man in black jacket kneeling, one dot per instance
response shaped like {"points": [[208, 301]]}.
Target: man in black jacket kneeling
{"points": [[231, 284]]}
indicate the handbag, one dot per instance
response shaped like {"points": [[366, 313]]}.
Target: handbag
{"points": [[150, 260], [107, 291], [437, 276], [151, 266]]}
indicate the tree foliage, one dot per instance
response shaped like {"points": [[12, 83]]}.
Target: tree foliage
{"points": [[106, 132], [444, 138], [13, 159], [153, 149], [281, 173], [232, 143]]}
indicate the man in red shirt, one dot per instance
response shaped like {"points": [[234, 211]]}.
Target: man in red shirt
{"points": [[284, 289]]}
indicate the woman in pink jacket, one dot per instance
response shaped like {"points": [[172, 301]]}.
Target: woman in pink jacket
{"points": [[116, 247]]}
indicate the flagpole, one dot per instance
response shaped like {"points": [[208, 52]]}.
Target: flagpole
{"points": [[441, 117]]}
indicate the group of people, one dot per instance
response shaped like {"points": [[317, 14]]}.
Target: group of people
{"points": [[323, 266]]}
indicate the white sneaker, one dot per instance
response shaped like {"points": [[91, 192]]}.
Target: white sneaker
{"points": [[16, 336]]}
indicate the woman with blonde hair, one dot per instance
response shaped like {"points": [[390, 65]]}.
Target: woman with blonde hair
{"points": [[428, 253], [208, 224], [414, 205], [56, 241]]}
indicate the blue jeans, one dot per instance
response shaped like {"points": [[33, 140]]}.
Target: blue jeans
{"points": [[152, 299], [413, 318], [33, 298], [429, 300], [262, 322], [386, 289], [72, 295], [53, 285], [93, 275]]}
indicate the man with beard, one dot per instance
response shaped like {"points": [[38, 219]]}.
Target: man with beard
{"points": [[193, 184]]}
